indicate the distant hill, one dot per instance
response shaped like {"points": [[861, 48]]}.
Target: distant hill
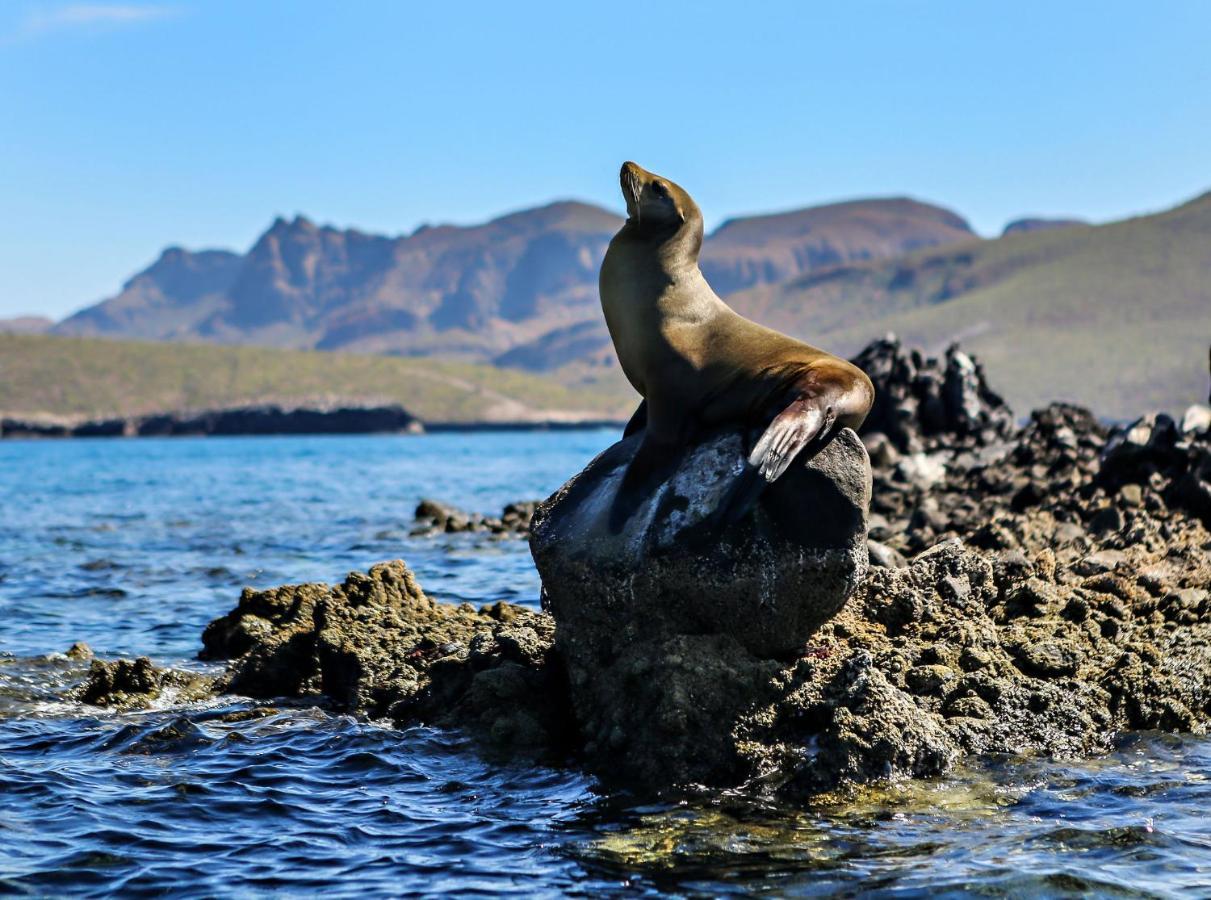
{"points": [[1021, 226], [521, 289], [1117, 316], [26, 325], [772, 249], [46, 374], [466, 292]]}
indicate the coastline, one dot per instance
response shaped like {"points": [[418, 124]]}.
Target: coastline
{"points": [[272, 419]]}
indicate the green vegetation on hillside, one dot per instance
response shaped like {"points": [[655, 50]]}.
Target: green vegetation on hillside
{"points": [[95, 378], [1115, 317]]}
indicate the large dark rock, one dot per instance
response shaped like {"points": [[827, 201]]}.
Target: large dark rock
{"points": [[671, 632], [921, 401]]}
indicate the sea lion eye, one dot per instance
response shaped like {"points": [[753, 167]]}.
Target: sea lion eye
{"points": [[659, 189]]}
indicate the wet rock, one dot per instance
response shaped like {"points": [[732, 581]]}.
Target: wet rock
{"points": [[136, 684], [79, 651], [669, 637], [377, 645], [434, 517]]}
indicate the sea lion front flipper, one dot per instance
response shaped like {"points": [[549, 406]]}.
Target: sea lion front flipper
{"points": [[638, 420], [665, 435]]}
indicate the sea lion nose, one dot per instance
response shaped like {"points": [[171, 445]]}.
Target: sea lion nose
{"points": [[630, 169]]}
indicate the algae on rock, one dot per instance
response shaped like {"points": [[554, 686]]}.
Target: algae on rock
{"points": [[377, 645]]}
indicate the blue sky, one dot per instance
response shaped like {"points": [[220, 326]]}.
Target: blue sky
{"points": [[126, 127]]}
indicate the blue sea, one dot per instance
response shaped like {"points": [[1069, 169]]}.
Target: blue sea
{"points": [[134, 545]]}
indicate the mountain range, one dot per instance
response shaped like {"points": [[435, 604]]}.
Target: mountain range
{"points": [[1117, 316], [512, 287]]}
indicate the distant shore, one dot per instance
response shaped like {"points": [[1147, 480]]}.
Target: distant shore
{"points": [[271, 419]]}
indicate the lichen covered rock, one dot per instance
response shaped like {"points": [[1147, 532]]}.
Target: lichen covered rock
{"points": [[963, 653]]}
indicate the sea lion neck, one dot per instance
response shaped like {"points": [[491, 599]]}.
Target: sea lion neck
{"points": [[675, 248]]}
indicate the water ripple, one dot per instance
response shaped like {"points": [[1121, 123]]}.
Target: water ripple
{"points": [[134, 545]]}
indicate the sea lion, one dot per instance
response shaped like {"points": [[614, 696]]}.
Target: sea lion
{"points": [[697, 363]]}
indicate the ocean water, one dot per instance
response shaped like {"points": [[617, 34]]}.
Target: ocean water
{"points": [[133, 546]]}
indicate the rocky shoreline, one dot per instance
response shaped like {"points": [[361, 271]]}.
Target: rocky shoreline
{"points": [[260, 419], [1035, 589], [267, 419]]}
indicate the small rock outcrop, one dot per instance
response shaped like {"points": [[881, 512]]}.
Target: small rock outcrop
{"points": [[921, 401], [671, 628], [127, 684], [963, 653], [377, 645], [434, 517], [1158, 453], [1039, 589]]}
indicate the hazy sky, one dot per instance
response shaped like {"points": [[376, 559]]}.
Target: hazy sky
{"points": [[125, 127]]}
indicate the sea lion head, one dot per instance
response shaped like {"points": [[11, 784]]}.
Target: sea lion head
{"points": [[659, 208]]}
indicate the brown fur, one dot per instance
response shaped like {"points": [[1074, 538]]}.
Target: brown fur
{"points": [[698, 363]]}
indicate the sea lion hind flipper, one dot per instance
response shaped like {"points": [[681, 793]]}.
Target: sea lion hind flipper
{"points": [[802, 422]]}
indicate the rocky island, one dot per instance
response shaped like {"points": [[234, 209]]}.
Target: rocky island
{"points": [[1040, 588]]}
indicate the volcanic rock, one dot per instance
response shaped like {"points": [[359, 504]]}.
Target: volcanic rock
{"points": [[920, 401], [434, 517], [135, 684], [669, 636], [1040, 590], [377, 645]]}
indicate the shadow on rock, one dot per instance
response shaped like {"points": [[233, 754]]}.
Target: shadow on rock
{"points": [[669, 638]]}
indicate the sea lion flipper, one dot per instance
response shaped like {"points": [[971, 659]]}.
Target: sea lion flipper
{"points": [[638, 420], [793, 429], [651, 463], [805, 423]]}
